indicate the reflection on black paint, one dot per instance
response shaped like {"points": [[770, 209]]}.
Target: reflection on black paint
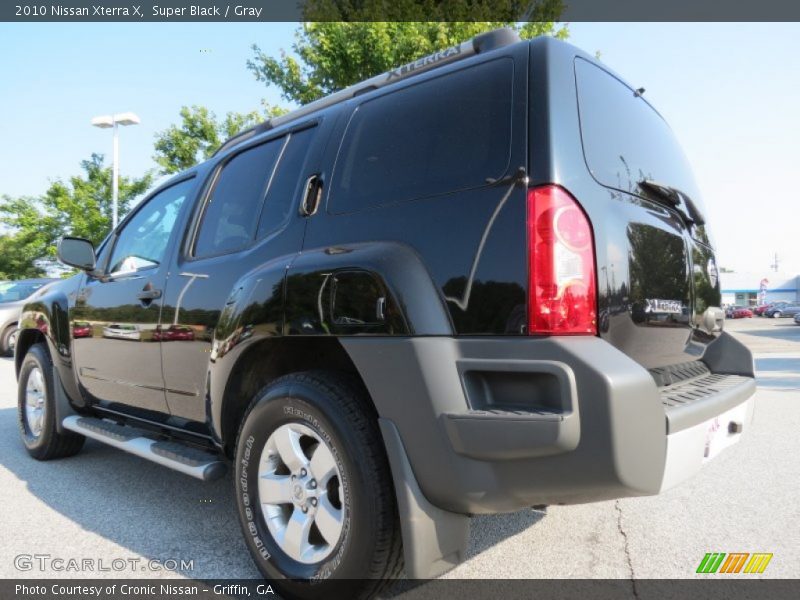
{"points": [[347, 302], [237, 325], [494, 306], [706, 294], [658, 270]]}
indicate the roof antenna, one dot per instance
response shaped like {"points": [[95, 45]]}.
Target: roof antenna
{"points": [[638, 93]]}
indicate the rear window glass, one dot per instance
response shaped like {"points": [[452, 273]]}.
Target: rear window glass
{"points": [[624, 139], [446, 134]]}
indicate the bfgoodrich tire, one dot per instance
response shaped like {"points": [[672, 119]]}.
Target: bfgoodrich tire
{"points": [[314, 491], [36, 415]]}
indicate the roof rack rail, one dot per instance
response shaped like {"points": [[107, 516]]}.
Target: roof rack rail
{"points": [[245, 135], [484, 42]]}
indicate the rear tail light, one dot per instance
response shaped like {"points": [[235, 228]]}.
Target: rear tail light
{"points": [[561, 265]]}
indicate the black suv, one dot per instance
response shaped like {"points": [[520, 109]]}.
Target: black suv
{"points": [[474, 284]]}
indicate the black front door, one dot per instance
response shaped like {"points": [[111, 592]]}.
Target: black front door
{"points": [[119, 362]]}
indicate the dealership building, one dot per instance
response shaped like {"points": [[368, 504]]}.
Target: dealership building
{"points": [[743, 288]]}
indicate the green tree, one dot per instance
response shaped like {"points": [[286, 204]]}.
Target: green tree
{"points": [[16, 259], [80, 207], [333, 55], [200, 133]]}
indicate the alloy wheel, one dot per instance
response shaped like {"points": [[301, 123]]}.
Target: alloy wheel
{"points": [[34, 401], [300, 492]]}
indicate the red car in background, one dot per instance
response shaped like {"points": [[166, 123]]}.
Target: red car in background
{"points": [[761, 310], [739, 312], [174, 333], [81, 329]]}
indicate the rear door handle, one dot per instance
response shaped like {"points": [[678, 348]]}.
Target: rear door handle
{"points": [[312, 193], [149, 294]]}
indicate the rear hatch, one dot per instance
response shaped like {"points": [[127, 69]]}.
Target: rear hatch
{"points": [[657, 277]]}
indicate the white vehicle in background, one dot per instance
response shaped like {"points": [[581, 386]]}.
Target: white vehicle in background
{"points": [[122, 332], [13, 294]]}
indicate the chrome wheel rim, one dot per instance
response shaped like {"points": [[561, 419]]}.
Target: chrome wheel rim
{"points": [[301, 494], [34, 401], [12, 340]]}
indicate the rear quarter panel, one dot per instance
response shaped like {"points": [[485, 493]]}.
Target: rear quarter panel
{"points": [[443, 232]]}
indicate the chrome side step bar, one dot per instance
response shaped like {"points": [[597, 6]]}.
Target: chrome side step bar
{"points": [[174, 455]]}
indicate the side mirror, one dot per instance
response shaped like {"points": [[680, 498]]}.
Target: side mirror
{"points": [[77, 252]]}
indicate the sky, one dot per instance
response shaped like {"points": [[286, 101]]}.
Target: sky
{"points": [[731, 93]]}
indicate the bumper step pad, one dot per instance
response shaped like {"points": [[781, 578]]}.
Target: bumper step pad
{"points": [[696, 400]]}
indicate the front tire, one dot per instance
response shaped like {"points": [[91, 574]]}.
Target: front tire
{"points": [[314, 490], [776, 314], [36, 414]]}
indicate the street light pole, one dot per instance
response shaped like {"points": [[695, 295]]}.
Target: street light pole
{"points": [[115, 178], [114, 121]]}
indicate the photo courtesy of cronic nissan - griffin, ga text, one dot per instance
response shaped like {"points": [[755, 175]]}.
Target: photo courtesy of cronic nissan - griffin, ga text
{"points": [[480, 282]]}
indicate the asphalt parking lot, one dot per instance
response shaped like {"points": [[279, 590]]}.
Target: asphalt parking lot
{"points": [[104, 504]]}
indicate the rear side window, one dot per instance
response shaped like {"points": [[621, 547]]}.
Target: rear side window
{"points": [[624, 139], [446, 134], [283, 194], [231, 213]]}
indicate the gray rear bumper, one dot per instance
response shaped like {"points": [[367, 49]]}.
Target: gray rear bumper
{"points": [[495, 425]]}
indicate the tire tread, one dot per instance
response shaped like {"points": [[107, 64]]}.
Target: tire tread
{"points": [[349, 395], [57, 445]]}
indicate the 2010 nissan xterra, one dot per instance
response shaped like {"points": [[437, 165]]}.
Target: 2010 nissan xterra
{"points": [[480, 282]]}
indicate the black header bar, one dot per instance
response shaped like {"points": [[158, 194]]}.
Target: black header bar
{"points": [[144, 11], [730, 587]]}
